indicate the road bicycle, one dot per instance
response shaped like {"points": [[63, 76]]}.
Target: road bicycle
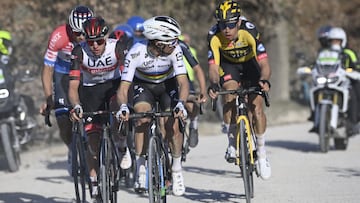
{"points": [[159, 168], [245, 136], [80, 170], [109, 164]]}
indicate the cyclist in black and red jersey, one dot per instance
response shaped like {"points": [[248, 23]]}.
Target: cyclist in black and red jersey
{"points": [[237, 57], [95, 69], [55, 73]]}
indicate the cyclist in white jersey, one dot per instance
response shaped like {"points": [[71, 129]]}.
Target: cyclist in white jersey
{"points": [[95, 74], [157, 69]]}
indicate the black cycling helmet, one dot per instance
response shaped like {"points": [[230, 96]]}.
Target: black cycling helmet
{"points": [[228, 11], [78, 16], [95, 28]]}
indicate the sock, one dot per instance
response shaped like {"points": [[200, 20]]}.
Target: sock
{"points": [[93, 179], [194, 123], [231, 133], [140, 160], [260, 141], [176, 164]]}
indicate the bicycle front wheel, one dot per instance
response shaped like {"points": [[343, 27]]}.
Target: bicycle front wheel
{"points": [[80, 170], [104, 178], [245, 165], [157, 190]]}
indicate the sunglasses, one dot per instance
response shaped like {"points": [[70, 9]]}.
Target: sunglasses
{"points": [[171, 43], [224, 25], [77, 34], [98, 42]]}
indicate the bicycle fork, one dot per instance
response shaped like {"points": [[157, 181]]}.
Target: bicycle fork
{"points": [[248, 134]]}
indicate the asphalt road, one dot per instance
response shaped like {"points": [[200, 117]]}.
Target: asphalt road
{"points": [[300, 172]]}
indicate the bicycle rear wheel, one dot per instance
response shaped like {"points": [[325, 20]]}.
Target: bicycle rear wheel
{"points": [[245, 165], [157, 191]]}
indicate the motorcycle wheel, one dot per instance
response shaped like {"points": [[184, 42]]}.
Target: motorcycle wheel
{"points": [[12, 156], [324, 127]]}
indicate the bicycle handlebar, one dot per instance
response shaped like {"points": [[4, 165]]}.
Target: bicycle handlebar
{"points": [[242, 92]]}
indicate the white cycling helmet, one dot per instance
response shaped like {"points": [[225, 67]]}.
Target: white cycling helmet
{"points": [[162, 28], [78, 16], [338, 33]]}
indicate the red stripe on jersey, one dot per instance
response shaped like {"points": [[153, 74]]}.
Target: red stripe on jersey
{"points": [[262, 56], [75, 74], [212, 61]]}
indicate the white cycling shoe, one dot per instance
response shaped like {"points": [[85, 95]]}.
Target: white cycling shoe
{"points": [[178, 186], [264, 168], [230, 154], [126, 159], [140, 182]]}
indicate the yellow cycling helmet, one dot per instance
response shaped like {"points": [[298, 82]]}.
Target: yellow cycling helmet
{"points": [[228, 11]]}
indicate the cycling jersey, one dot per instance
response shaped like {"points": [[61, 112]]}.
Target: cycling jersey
{"points": [[189, 59], [98, 69], [246, 46], [59, 48], [145, 67]]}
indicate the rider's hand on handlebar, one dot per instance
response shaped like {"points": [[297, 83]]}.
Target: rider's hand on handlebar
{"points": [[76, 113], [212, 90], [123, 113], [45, 108], [180, 111], [202, 98], [264, 85]]}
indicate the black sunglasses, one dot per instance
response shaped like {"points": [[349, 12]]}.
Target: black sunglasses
{"points": [[224, 25], [98, 42]]}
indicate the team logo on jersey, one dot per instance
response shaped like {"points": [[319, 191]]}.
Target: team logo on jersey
{"points": [[134, 55], [249, 25], [210, 54], [261, 47], [179, 56]]}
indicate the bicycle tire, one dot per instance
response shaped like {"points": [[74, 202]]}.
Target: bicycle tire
{"points": [[103, 177], [11, 154], [324, 127], [156, 177], [80, 170], [245, 161], [114, 172], [77, 173]]}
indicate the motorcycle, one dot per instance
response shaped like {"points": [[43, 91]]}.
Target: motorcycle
{"points": [[329, 97], [16, 125]]}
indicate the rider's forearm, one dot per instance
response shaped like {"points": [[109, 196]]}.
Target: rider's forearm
{"points": [[47, 80], [214, 74], [201, 78], [183, 86], [73, 92], [122, 92], [265, 69]]}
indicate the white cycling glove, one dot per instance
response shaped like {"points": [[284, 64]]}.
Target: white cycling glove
{"points": [[181, 107], [123, 108], [78, 109]]}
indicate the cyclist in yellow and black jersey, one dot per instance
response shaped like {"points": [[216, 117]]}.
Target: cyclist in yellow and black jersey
{"points": [[236, 55]]}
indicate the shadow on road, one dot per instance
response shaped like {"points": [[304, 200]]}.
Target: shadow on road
{"points": [[294, 145], [20, 197], [200, 195], [212, 172], [345, 172]]}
